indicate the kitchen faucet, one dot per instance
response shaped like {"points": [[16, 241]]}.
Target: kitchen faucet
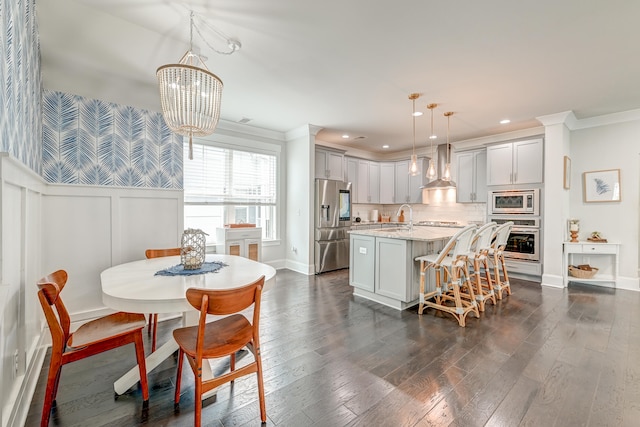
{"points": [[410, 215]]}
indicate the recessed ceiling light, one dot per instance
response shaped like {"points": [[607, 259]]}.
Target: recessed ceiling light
{"points": [[505, 121], [385, 146], [345, 136], [417, 114]]}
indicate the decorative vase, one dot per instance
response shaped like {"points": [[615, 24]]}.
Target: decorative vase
{"points": [[574, 236], [574, 229], [193, 248]]}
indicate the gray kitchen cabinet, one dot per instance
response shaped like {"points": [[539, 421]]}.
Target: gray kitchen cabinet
{"points": [[368, 188], [329, 164], [387, 183], [517, 162], [362, 262], [472, 176], [393, 266], [351, 175], [382, 266], [408, 188]]}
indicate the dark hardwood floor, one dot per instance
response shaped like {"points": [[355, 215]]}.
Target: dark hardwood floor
{"points": [[541, 357]]}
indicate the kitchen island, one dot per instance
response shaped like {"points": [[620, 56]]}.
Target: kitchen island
{"points": [[382, 266]]}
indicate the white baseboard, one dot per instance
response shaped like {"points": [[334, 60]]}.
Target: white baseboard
{"points": [[299, 267], [552, 280], [20, 409], [628, 283]]}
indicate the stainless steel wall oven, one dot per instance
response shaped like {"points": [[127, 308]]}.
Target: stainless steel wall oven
{"points": [[524, 240]]}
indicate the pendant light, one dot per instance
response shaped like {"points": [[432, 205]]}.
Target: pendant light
{"points": [[413, 167], [447, 169], [190, 94], [431, 172]]}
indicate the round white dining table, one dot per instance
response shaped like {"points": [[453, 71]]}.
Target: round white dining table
{"points": [[134, 287]]}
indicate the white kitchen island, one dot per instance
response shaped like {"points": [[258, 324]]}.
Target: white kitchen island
{"points": [[382, 266]]}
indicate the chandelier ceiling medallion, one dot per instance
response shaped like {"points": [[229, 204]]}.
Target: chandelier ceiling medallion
{"points": [[190, 94], [413, 167]]}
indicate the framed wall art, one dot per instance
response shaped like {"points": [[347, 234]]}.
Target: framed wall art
{"points": [[601, 186], [566, 182]]}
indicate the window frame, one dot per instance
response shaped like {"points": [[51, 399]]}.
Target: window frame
{"points": [[252, 146]]}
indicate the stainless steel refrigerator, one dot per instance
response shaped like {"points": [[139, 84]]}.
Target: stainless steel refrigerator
{"points": [[332, 222]]}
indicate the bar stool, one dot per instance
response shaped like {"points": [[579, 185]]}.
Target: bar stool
{"points": [[481, 245], [450, 267], [496, 258]]}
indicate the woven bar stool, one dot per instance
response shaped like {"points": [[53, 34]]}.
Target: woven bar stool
{"points": [[450, 267], [481, 245], [496, 259]]}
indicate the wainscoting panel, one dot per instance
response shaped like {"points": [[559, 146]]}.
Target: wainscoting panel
{"points": [[20, 227], [82, 229], [148, 222]]}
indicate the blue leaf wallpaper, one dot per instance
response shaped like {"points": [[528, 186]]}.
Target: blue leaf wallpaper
{"points": [[70, 139], [20, 131], [93, 142]]}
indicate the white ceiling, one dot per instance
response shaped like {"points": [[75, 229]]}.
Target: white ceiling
{"points": [[349, 65]]}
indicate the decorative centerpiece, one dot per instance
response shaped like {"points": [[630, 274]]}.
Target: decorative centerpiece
{"points": [[574, 229], [193, 248], [596, 236]]}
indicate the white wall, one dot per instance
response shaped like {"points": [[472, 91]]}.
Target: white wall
{"points": [[610, 146], [299, 195], [598, 143]]}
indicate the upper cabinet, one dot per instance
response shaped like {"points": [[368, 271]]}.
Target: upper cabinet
{"points": [[329, 164], [387, 183], [364, 176], [408, 189], [351, 175], [384, 183], [517, 162], [472, 176], [368, 188]]}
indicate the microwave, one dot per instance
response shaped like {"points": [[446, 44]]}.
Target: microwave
{"points": [[514, 202]]}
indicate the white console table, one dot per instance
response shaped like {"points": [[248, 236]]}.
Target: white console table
{"points": [[603, 256]]}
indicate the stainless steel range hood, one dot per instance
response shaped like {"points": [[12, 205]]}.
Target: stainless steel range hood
{"points": [[441, 165]]}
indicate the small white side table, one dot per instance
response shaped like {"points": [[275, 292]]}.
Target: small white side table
{"points": [[603, 256]]}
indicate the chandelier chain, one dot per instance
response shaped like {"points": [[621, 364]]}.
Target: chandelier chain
{"points": [[234, 45]]}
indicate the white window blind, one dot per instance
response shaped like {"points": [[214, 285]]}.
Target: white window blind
{"points": [[229, 177]]}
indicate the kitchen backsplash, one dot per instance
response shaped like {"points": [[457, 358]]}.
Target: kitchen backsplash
{"points": [[435, 211]]}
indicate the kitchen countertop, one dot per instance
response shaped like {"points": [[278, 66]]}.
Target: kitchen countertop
{"points": [[422, 233]]}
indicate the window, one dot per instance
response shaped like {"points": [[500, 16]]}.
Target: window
{"points": [[227, 186]]}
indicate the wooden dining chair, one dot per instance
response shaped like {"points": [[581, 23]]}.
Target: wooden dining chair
{"points": [[153, 317], [221, 338], [93, 337], [451, 276], [496, 258]]}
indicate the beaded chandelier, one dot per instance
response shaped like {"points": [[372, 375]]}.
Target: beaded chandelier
{"points": [[190, 94]]}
